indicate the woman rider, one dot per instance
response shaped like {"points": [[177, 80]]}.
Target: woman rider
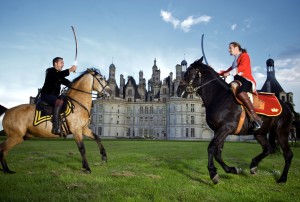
{"points": [[241, 70]]}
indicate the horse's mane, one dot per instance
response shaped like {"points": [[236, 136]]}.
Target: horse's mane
{"points": [[208, 70], [95, 70]]}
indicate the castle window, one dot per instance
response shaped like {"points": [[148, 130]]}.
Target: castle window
{"points": [[151, 120], [99, 131], [192, 107], [192, 132], [164, 91], [186, 132], [141, 110], [151, 110], [192, 120]]}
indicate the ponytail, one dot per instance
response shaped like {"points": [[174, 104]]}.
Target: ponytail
{"points": [[236, 44]]}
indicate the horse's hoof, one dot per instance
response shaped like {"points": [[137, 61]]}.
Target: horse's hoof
{"points": [[215, 179], [104, 159], [238, 170], [281, 181], [8, 172], [253, 170], [86, 171]]}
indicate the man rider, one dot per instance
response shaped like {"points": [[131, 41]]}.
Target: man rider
{"points": [[55, 76]]}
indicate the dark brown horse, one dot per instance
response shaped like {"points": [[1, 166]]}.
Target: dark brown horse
{"points": [[18, 121], [222, 116]]}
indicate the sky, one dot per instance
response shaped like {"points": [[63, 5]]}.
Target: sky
{"points": [[131, 34]]}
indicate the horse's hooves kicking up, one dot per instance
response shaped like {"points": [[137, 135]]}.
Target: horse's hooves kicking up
{"points": [[215, 179]]}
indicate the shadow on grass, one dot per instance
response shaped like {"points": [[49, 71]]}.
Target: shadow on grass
{"points": [[186, 169]]}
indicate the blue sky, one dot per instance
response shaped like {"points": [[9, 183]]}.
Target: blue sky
{"points": [[132, 33]]}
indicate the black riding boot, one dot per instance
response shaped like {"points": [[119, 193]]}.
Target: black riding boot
{"points": [[56, 120], [256, 120]]}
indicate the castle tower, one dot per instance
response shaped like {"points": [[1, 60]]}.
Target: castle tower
{"points": [[271, 85], [112, 73], [141, 74]]}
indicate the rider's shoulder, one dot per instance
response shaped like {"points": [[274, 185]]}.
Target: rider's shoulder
{"points": [[51, 69]]}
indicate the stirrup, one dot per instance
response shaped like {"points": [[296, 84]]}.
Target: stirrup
{"points": [[256, 125], [56, 131]]}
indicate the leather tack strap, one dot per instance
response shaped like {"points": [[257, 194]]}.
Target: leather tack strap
{"points": [[241, 121]]}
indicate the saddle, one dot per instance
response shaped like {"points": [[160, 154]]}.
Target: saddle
{"points": [[44, 112], [264, 103]]}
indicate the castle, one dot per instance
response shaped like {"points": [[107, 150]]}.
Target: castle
{"points": [[132, 111]]}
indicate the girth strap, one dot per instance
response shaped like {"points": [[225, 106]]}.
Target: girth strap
{"points": [[241, 121]]}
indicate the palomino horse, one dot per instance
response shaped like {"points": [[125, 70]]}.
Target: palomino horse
{"points": [[18, 121], [222, 116]]}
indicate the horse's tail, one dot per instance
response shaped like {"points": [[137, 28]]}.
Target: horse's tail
{"points": [[292, 108], [2, 110], [272, 134]]}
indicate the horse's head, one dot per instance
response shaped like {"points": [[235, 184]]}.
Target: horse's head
{"points": [[191, 79], [99, 82]]}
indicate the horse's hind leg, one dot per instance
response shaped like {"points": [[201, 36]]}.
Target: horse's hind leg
{"points": [[4, 148], [287, 153]]}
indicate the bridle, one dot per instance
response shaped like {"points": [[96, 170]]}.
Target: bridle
{"points": [[190, 89], [90, 93]]}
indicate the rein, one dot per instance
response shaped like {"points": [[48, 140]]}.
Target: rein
{"points": [[90, 93], [72, 99], [191, 89]]}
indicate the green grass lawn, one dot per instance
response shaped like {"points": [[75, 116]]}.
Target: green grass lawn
{"points": [[50, 170]]}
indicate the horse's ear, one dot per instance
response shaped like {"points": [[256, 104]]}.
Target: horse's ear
{"points": [[201, 59], [89, 70]]}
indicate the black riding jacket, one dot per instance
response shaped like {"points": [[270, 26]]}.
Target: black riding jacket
{"points": [[53, 81]]}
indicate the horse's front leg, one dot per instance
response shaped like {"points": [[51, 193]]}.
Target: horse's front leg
{"points": [[85, 164], [101, 148], [267, 149], [81, 147], [227, 169], [214, 150], [87, 132]]}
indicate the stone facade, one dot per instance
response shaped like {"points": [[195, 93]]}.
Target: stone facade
{"points": [[132, 111]]}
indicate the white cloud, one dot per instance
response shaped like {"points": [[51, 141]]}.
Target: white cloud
{"points": [[233, 27], [288, 70], [167, 17], [187, 23]]}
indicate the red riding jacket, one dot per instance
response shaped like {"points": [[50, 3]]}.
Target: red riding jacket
{"points": [[243, 69]]}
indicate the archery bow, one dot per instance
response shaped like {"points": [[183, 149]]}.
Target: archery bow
{"points": [[203, 49], [76, 46]]}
